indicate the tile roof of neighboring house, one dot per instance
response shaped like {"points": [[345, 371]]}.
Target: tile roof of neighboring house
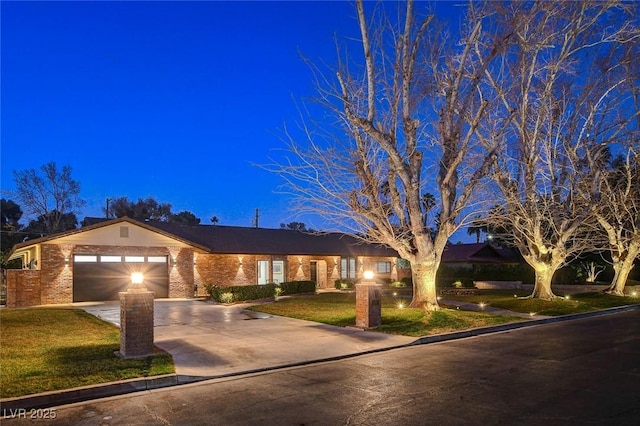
{"points": [[477, 253], [242, 240]]}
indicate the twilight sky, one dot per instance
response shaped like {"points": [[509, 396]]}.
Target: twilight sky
{"points": [[174, 100]]}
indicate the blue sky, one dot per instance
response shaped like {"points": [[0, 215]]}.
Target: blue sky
{"points": [[174, 100]]}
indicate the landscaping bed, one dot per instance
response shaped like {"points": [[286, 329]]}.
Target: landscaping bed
{"points": [[46, 349]]}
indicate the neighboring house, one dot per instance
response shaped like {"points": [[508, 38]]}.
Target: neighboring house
{"points": [[94, 263], [464, 256]]}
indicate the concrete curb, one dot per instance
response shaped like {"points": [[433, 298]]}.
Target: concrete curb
{"points": [[86, 393], [516, 325]]}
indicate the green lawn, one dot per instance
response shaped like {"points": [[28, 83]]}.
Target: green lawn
{"points": [[339, 309], [45, 349], [514, 300]]}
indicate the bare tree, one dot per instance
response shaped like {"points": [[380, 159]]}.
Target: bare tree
{"points": [[404, 117], [618, 214], [618, 210], [560, 88], [49, 194]]}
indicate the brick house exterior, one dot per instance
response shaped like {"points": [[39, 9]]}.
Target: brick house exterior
{"points": [[190, 258]]}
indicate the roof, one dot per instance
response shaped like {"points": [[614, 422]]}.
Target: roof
{"points": [[97, 223], [242, 240], [477, 253]]}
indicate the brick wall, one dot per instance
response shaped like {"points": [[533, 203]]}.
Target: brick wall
{"points": [[56, 273], [23, 288], [227, 270], [181, 277]]}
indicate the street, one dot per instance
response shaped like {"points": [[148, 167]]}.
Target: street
{"points": [[579, 372]]}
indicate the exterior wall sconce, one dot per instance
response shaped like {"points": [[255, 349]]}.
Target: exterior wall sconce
{"points": [[240, 260], [66, 261]]}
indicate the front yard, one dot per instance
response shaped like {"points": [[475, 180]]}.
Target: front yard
{"points": [[514, 300], [339, 309], [46, 349]]}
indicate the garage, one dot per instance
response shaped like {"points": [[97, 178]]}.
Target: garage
{"points": [[99, 277]]}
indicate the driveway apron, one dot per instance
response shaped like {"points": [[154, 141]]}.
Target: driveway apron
{"points": [[207, 339]]}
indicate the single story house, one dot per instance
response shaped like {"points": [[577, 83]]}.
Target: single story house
{"points": [[464, 256], [95, 262]]}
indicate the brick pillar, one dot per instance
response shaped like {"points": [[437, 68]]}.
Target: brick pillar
{"points": [[136, 323], [368, 305]]}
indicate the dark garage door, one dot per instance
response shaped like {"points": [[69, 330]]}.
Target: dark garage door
{"points": [[102, 277]]}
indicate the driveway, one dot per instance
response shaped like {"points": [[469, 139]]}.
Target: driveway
{"points": [[207, 339]]}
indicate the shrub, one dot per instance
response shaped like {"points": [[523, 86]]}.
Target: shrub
{"points": [[226, 297], [241, 292], [398, 284], [408, 281], [344, 284], [295, 287]]}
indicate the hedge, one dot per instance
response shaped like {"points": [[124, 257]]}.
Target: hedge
{"points": [[295, 287], [241, 292]]}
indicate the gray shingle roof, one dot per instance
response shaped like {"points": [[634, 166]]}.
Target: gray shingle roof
{"points": [[242, 240]]}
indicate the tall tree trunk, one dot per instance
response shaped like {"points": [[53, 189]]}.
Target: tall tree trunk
{"points": [[542, 287], [424, 285], [622, 268]]}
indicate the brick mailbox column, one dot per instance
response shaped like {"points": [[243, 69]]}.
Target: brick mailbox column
{"points": [[368, 303], [136, 321]]}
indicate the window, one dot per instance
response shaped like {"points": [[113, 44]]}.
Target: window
{"points": [[157, 259], [110, 259], [348, 268], [134, 259], [383, 267], [85, 258]]}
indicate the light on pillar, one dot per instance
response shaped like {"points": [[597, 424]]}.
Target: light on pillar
{"points": [[137, 282], [368, 302]]}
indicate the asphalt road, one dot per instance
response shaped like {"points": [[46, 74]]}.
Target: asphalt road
{"points": [[580, 372]]}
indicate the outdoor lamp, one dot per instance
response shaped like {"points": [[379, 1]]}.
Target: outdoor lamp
{"points": [[368, 275], [137, 279]]}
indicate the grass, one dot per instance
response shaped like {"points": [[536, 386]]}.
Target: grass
{"points": [[339, 309], [46, 349], [577, 303]]}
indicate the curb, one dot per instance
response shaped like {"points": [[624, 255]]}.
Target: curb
{"points": [[516, 325], [86, 393]]}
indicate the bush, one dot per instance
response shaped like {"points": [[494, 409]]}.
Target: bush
{"points": [[226, 297], [241, 292], [408, 281], [344, 284], [398, 284], [295, 287]]}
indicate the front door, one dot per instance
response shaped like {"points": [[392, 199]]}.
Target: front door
{"points": [[263, 272], [278, 271]]}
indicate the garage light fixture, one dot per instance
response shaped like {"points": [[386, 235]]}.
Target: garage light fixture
{"points": [[66, 261]]}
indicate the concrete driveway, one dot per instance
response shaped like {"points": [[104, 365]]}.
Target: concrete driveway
{"points": [[207, 339]]}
